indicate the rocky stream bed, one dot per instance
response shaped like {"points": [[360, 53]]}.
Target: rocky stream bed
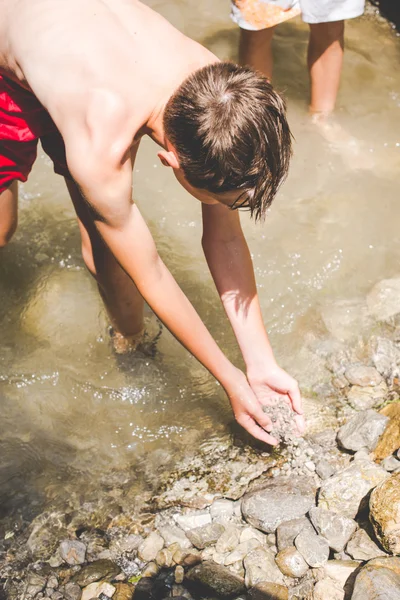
{"points": [[319, 519]]}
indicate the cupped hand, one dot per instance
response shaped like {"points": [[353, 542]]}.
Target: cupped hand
{"points": [[273, 382], [248, 410]]}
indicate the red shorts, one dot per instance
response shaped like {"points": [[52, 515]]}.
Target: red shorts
{"points": [[23, 122]]}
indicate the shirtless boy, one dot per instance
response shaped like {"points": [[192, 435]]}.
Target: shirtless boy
{"points": [[89, 79]]}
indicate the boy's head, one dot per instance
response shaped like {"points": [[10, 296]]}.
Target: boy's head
{"points": [[230, 133]]}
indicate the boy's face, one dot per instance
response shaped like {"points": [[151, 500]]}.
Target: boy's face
{"points": [[205, 197]]}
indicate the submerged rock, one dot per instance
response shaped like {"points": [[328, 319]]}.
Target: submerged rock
{"points": [[216, 579], [383, 299], [282, 499], [46, 532], [343, 492], [364, 398], [379, 579], [362, 431], [73, 552], [362, 375], [99, 569], [385, 513], [150, 547]]}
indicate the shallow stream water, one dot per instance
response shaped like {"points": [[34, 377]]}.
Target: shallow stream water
{"points": [[70, 411]]}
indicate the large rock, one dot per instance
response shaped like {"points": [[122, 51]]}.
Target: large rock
{"points": [[364, 398], [291, 562], [336, 529], [379, 579], [362, 375], [260, 566], [343, 492], [289, 530], [215, 579], [362, 547], [341, 571], [313, 548], [390, 439], [385, 513], [282, 499], [385, 355], [362, 431], [383, 299]]}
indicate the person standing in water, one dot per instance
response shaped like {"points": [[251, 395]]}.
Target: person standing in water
{"points": [[257, 20], [89, 79]]}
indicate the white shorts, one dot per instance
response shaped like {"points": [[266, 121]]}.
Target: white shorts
{"points": [[260, 14]]}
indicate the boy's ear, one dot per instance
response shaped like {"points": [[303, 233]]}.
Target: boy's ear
{"points": [[168, 158]]}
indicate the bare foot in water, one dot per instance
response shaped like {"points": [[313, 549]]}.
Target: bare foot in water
{"points": [[351, 150], [125, 344], [144, 341]]}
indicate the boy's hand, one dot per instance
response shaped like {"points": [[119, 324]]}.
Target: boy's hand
{"points": [[248, 410], [272, 381]]}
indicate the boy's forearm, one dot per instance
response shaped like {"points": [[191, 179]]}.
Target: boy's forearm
{"points": [[232, 270]]}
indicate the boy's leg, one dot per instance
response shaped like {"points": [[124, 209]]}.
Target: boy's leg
{"points": [[8, 213], [122, 300], [325, 59], [255, 49]]}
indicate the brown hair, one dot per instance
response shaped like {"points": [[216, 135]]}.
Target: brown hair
{"points": [[230, 131]]}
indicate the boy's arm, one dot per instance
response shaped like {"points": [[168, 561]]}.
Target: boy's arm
{"points": [[230, 264], [104, 177]]}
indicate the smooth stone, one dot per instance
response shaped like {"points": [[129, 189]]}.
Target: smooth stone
{"points": [[173, 534], [216, 579], [93, 590], [390, 439], [268, 591], [313, 548], [249, 533], [364, 398], [229, 539], [179, 574], [361, 547], [206, 535], [34, 585], [327, 588], [341, 570], [383, 299], [336, 529], [289, 530], [260, 565], [164, 559], [193, 519], [324, 469], [191, 559], [152, 569], [99, 569], [362, 454], [222, 509], [390, 463], [385, 513], [362, 375], [303, 591], [150, 547], [362, 431], [123, 591], [72, 591], [241, 551], [343, 492], [283, 499], [379, 579], [73, 552], [291, 562]]}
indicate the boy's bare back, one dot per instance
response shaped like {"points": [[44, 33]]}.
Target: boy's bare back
{"points": [[67, 50]]}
